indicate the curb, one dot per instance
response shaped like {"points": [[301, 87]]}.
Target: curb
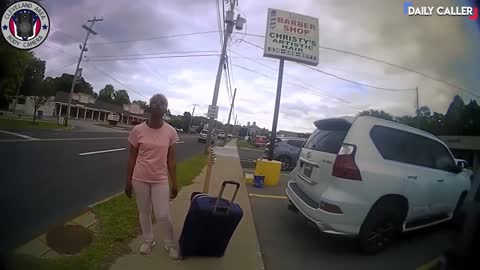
{"points": [[104, 200]]}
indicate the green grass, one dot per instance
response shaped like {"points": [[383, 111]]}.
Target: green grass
{"points": [[114, 127], [245, 144], [118, 225], [25, 123]]}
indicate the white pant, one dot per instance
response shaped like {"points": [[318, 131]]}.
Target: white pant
{"points": [[158, 195]]}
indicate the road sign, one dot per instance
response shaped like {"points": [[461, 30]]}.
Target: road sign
{"points": [[291, 36], [212, 112]]}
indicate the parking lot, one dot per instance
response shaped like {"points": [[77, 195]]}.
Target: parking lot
{"points": [[289, 242]]}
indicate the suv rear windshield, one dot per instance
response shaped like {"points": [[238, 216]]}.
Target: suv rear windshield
{"points": [[329, 141]]}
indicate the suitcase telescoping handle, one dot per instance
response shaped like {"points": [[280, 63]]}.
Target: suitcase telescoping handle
{"points": [[224, 184]]}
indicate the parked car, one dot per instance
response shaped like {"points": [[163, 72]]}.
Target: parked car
{"points": [[221, 135], [260, 141], [286, 150], [374, 179], [136, 122], [202, 137]]}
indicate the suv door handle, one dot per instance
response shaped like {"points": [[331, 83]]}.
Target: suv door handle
{"points": [[412, 177], [440, 180]]}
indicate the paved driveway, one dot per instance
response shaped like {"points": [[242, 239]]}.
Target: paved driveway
{"points": [[288, 242]]}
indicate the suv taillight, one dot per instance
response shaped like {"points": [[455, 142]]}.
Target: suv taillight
{"points": [[345, 166]]}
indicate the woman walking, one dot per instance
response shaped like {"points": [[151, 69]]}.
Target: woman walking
{"points": [[150, 166]]}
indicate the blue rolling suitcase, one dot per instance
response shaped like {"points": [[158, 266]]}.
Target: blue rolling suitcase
{"points": [[210, 224]]}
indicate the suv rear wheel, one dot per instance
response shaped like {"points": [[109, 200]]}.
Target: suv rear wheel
{"points": [[286, 162], [381, 227]]}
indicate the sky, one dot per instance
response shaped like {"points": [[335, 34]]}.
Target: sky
{"points": [[442, 47]]}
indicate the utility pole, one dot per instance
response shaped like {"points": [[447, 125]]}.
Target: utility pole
{"points": [[277, 109], [230, 22], [83, 49], [231, 107], [234, 125], [417, 106], [191, 117]]}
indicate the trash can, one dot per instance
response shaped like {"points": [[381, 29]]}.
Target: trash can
{"points": [[258, 181], [40, 114]]}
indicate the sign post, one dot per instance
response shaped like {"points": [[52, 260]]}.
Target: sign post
{"points": [[290, 36]]}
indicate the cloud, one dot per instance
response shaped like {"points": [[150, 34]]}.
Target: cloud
{"points": [[442, 47]]}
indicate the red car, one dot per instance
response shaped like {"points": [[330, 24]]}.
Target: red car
{"points": [[261, 141]]}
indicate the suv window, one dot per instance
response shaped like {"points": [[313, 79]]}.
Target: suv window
{"points": [[397, 145], [329, 141], [442, 158], [295, 143]]}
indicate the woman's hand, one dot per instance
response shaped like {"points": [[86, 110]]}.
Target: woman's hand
{"points": [[174, 192], [128, 189]]}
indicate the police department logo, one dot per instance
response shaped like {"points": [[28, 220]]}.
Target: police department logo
{"points": [[25, 25]]}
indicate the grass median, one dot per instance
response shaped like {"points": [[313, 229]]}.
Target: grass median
{"points": [[246, 144], [19, 124], [118, 220], [114, 127]]}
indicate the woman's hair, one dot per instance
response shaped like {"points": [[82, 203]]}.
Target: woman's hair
{"points": [[159, 101]]}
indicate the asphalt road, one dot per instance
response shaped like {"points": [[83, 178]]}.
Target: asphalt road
{"points": [[46, 181], [288, 242]]}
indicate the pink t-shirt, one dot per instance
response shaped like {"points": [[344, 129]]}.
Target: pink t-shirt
{"points": [[152, 144]]}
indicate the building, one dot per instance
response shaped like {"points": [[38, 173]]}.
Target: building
{"points": [[286, 134], [464, 147], [84, 107], [25, 106]]}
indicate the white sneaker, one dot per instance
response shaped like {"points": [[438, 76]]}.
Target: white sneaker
{"points": [[172, 252], [146, 247]]}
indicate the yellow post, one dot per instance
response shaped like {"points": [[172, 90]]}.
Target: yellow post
{"points": [[270, 169]]}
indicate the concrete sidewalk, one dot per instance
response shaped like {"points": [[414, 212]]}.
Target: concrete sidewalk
{"points": [[243, 251]]}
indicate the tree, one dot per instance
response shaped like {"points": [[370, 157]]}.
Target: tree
{"points": [[33, 76], [424, 111], [186, 120], [14, 76], [107, 93], [377, 114], [454, 117], [144, 105], [41, 96], [64, 84], [471, 119], [121, 97]]}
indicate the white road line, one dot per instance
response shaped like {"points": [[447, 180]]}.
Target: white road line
{"points": [[101, 151], [18, 135], [63, 139], [180, 142]]}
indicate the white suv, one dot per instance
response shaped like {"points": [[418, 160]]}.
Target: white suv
{"points": [[373, 178]]}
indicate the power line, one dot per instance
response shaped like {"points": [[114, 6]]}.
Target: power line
{"points": [[220, 21], [58, 50], [358, 83], [155, 57], [154, 38], [345, 79], [304, 88], [69, 36], [309, 85], [386, 63], [58, 68], [146, 54], [109, 76]]}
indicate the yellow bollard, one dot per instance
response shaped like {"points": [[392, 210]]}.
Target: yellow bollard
{"points": [[270, 169]]}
